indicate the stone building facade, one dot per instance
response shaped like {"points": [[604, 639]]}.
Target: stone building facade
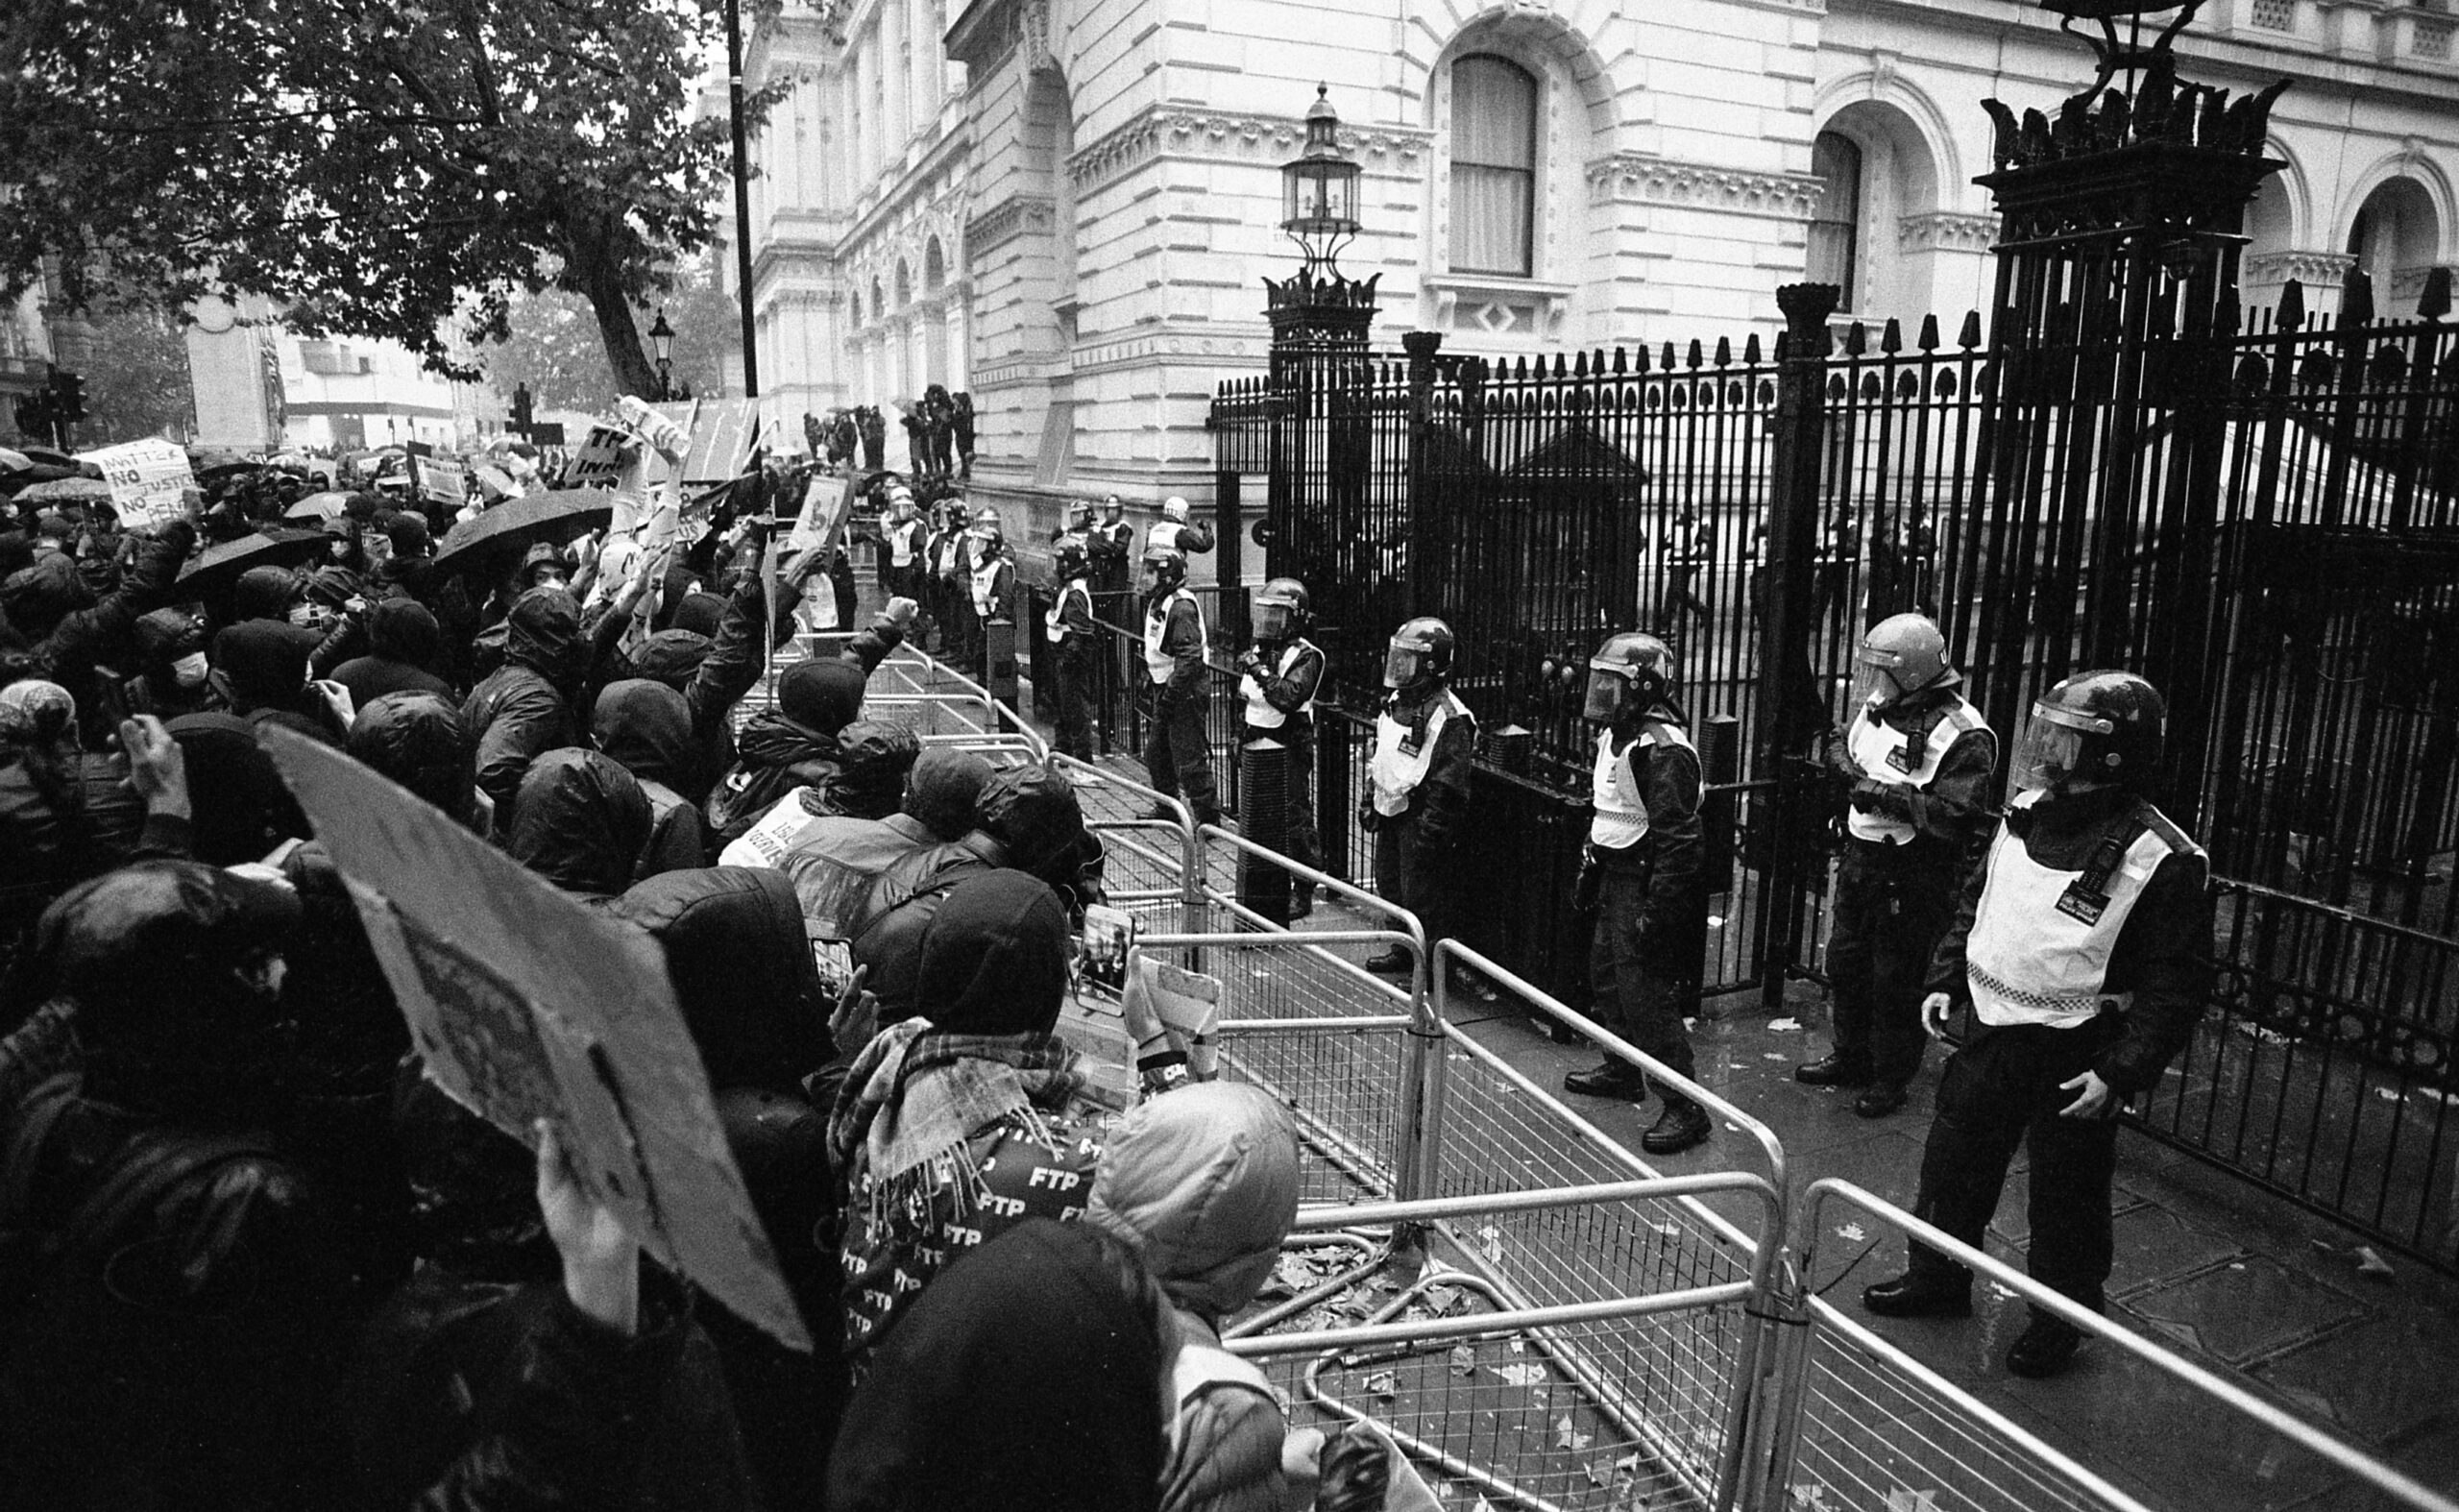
{"points": [[1066, 205]]}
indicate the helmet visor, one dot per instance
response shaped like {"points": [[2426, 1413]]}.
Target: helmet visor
{"points": [[1609, 691], [2050, 756], [1874, 678], [1404, 665], [1153, 577], [1273, 620]]}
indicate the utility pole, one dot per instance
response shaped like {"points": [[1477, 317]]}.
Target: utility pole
{"points": [[741, 198]]}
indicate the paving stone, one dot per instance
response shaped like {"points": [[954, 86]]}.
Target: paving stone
{"points": [[2381, 1380], [2245, 1309]]}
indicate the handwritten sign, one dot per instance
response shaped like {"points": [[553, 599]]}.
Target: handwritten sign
{"points": [[525, 1006], [445, 482], [822, 516], [600, 461], [148, 481]]}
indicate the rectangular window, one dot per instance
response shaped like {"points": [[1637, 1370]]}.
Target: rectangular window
{"points": [[1494, 167], [1834, 226]]}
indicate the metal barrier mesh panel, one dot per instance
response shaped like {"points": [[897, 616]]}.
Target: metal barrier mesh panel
{"points": [[1875, 1435]]}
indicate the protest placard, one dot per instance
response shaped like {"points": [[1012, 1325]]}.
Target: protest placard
{"points": [[525, 1005], [827, 505], [149, 482], [443, 481], [598, 463]]}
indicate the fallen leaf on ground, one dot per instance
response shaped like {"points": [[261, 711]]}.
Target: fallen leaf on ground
{"points": [[2368, 1263], [1383, 1384], [1597, 1474], [1520, 1374], [1852, 1233], [1567, 1436], [1785, 1026], [1490, 1242], [1464, 1360]]}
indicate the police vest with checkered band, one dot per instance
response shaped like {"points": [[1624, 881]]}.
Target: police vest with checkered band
{"points": [[2042, 938], [1404, 753], [1260, 713], [1159, 664], [1620, 817], [1888, 757]]}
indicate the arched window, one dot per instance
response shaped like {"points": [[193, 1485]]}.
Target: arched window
{"points": [[1834, 225], [904, 285], [1494, 167]]}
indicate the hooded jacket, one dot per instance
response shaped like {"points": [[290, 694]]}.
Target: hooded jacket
{"points": [[243, 810], [580, 822], [520, 710], [403, 642], [264, 593], [71, 630], [1203, 1185], [743, 975], [418, 740], [795, 744], [648, 727]]}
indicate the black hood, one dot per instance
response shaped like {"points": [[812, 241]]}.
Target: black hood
{"points": [[580, 822], [242, 810], [418, 740], [741, 968], [770, 738], [403, 630], [648, 727]]}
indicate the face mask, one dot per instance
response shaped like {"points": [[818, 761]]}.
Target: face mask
{"points": [[190, 670]]}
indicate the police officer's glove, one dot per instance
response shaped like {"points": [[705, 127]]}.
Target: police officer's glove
{"points": [[1368, 820], [1884, 801]]}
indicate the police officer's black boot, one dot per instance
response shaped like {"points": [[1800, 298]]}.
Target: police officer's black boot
{"points": [[1682, 1124], [1391, 961], [1608, 1078], [1836, 1069], [1917, 1293], [2045, 1349]]}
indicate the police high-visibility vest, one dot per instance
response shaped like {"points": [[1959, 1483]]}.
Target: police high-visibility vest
{"points": [[1619, 811], [1260, 714], [1399, 766], [1162, 536], [1056, 620], [1160, 663], [985, 585], [1878, 750], [900, 542], [2040, 945]]}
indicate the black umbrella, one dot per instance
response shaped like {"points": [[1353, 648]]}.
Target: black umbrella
{"points": [[216, 569], [513, 527]]}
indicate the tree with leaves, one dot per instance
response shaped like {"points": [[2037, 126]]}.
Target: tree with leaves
{"points": [[385, 170], [552, 344]]}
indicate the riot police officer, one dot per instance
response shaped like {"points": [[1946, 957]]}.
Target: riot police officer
{"points": [[1917, 760], [1644, 844], [1177, 752], [990, 584], [1418, 781], [1278, 677], [2082, 945], [1069, 630]]}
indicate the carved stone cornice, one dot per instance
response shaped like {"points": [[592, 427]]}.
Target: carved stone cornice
{"points": [[1650, 179], [2315, 270], [1946, 231], [1010, 218], [1171, 130]]}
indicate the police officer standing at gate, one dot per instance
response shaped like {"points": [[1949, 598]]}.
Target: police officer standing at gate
{"points": [[1069, 629], [1278, 677], [1416, 798], [1644, 844], [1918, 760], [1177, 754], [2083, 945], [991, 585]]}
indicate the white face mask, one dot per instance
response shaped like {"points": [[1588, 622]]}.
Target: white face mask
{"points": [[190, 669]]}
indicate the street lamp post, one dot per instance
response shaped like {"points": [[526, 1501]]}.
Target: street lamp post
{"points": [[661, 347]]}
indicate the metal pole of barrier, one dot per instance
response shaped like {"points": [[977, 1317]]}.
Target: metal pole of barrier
{"points": [[1652, 1189], [2383, 1478], [1502, 1322]]}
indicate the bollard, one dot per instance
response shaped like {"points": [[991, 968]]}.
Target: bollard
{"points": [[1263, 778], [1720, 763], [999, 663]]}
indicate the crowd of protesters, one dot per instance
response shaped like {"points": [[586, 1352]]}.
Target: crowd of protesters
{"points": [[251, 1257]]}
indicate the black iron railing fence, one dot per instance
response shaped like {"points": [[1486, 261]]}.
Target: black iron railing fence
{"points": [[2261, 514]]}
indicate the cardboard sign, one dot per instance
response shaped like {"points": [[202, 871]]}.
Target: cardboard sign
{"points": [[822, 518], [445, 482], [148, 481], [1187, 1004], [526, 1006], [600, 461]]}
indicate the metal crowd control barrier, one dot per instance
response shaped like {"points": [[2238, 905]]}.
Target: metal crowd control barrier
{"points": [[1542, 1402], [1939, 1447]]}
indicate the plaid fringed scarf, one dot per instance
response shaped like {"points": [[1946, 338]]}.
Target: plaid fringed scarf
{"points": [[915, 1099]]}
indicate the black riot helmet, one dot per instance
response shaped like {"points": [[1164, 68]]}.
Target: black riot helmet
{"points": [[1281, 610], [1165, 568], [1901, 655], [2096, 729], [1631, 673], [1069, 558], [1418, 656]]}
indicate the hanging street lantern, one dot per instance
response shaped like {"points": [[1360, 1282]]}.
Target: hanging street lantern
{"points": [[1319, 190]]}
